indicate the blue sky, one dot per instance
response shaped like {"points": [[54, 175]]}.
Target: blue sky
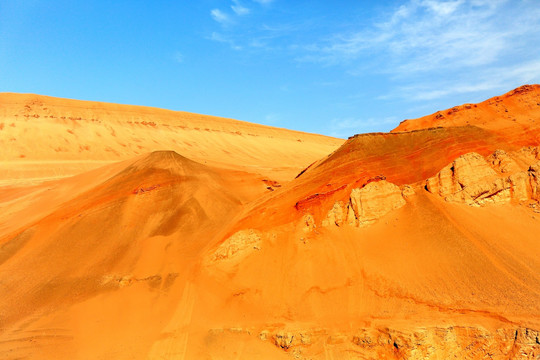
{"points": [[331, 67]]}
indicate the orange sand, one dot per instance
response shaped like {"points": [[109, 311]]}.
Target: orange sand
{"points": [[164, 256], [47, 138]]}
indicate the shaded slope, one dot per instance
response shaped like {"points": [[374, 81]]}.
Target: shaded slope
{"points": [[128, 241]]}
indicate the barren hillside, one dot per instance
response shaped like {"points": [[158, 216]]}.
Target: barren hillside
{"points": [[47, 138], [417, 244]]}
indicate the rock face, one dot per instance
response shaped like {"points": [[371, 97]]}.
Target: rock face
{"points": [[477, 181], [503, 162], [373, 201], [534, 181], [471, 180], [240, 243], [456, 342], [366, 205], [337, 215]]}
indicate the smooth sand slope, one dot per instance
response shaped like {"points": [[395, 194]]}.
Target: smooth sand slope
{"points": [[46, 138], [422, 243]]}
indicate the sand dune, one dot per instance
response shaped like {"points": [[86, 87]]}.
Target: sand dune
{"points": [[421, 243], [46, 138]]}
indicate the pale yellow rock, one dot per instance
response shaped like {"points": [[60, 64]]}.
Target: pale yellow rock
{"points": [[283, 339], [351, 217], [503, 162], [336, 215], [240, 243], [534, 174], [308, 223], [407, 191], [375, 200], [471, 180], [520, 185]]}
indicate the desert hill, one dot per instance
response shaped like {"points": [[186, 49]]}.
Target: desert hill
{"points": [[514, 116], [46, 138], [140, 230], [421, 243]]}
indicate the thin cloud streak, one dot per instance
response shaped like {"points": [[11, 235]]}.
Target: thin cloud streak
{"points": [[498, 78], [220, 16], [429, 42], [239, 9], [425, 35], [217, 37]]}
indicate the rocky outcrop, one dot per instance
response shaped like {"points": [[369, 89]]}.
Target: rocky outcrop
{"points": [[471, 180], [503, 162], [477, 181], [534, 181], [240, 243], [337, 215], [373, 201], [407, 191], [366, 204], [454, 342]]}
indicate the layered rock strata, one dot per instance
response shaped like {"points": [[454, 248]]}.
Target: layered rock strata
{"points": [[475, 180], [367, 204]]}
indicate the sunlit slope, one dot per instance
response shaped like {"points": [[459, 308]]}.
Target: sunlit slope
{"points": [[430, 277], [391, 246], [417, 244], [45, 137], [514, 115]]}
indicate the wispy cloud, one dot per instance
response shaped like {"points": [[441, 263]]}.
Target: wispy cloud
{"points": [[239, 9], [224, 39], [422, 35], [424, 50], [499, 79], [220, 16], [423, 40]]}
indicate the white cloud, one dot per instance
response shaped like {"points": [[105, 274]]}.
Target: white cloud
{"points": [[220, 16], [441, 48], [239, 9], [264, 2], [424, 35], [499, 79], [442, 8]]}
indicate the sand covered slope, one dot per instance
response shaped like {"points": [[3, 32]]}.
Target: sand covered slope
{"points": [[514, 115], [420, 244], [46, 138]]}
